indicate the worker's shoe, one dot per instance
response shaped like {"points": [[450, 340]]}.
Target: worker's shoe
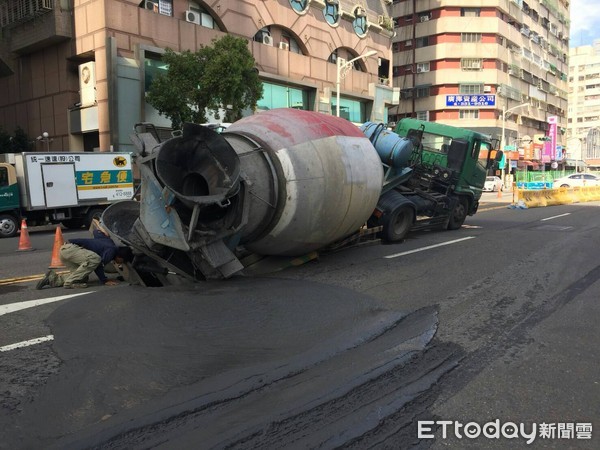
{"points": [[75, 286], [48, 280]]}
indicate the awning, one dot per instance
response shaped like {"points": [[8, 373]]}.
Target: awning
{"points": [[575, 163], [524, 164]]}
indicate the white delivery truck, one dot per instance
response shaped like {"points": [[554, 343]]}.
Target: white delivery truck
{"points": [[72, 188]]}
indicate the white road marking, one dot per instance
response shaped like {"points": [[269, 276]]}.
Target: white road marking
{"points": [[555, 217], [39, 340], [428, 247], [13, 307]]}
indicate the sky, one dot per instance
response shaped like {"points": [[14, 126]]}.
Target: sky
{"points": [[585, 22]]}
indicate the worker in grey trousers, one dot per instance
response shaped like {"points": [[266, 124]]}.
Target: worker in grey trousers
{"points": [[84, 256]]}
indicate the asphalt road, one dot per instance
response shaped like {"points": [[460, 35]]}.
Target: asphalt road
{"points": [[494, 322]]}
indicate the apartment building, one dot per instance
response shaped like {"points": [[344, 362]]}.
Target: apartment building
{"points": [[78, 70], [583, 127], [498, 67]]}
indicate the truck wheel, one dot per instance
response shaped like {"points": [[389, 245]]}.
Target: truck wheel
{"points": [[9, 225], [93, 213], [398, 223], [458, 215]]}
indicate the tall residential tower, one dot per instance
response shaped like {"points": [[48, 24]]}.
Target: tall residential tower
{"points": [[497, 67], [583, 129]]}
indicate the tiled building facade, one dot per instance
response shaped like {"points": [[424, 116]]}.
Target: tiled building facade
{"points": [[78, 69], [583, 130], [488, 66]]}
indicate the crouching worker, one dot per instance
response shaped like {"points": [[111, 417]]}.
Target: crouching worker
{"points": [[84, 256]]}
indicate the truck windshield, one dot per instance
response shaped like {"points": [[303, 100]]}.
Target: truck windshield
{"points": [[436, 143]]}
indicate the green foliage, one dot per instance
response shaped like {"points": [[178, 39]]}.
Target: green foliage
{"points": [[14, 144], [219, 77]]}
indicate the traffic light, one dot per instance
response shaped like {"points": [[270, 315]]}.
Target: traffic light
{"points": [[545, 139]]}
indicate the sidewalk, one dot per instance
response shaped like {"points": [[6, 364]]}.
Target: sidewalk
{"points": [[492, 199]]}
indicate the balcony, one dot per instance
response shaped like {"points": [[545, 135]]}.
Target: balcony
{"points": [[29, 25]]}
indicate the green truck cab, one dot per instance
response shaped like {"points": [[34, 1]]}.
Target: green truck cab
{"points": [[433, 175]]}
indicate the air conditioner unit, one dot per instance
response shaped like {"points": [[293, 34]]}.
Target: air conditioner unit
{"points": [[476, 65], [408, 43], [487, 89], [424, 18], [267, 40], [420, 69], [192, 17], [284, 46], [152, 6]]}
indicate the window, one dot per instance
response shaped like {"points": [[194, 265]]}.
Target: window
{"points": [[281, 96], [165, 7], [206, 20], [352, 110], [153, 67], [331, 12], [422, 91], [470, 37], [470, 12], [471, 64], [468, 114], [299, 5], [3, 177], [422, 42], [471, 88], [360, 22], [422, 115]]}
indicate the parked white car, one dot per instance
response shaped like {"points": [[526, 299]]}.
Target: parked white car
{"points": [[493, 184], [577, 179]]}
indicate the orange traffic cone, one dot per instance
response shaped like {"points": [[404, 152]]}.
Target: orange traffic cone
{"points": [[56, 263], [24, 242]]}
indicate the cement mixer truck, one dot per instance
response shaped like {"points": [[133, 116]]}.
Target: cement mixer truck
{"points": [[287, 182]]}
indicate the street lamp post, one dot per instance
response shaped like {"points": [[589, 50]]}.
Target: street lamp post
{"points": [[503, 140], [342, 70], [45, 138]]}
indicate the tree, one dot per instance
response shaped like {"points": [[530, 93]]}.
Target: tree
{"points": [[221, 77], [14, 144]]}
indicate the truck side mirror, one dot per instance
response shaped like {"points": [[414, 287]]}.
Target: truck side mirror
{"points": [[497, 155]]}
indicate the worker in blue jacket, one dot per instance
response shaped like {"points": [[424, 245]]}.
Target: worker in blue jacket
{"points": [[84, 256]]}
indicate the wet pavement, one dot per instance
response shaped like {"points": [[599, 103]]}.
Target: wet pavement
{"points": [[169, 365]]}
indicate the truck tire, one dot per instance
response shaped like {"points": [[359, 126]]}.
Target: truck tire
{"points": [[398, 223], [9, 225], [93, 213], [458, 214]]}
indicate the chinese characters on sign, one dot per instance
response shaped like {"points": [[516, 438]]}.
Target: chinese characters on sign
{"points": [[54, 158], [471, 100], [103, 177]]}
